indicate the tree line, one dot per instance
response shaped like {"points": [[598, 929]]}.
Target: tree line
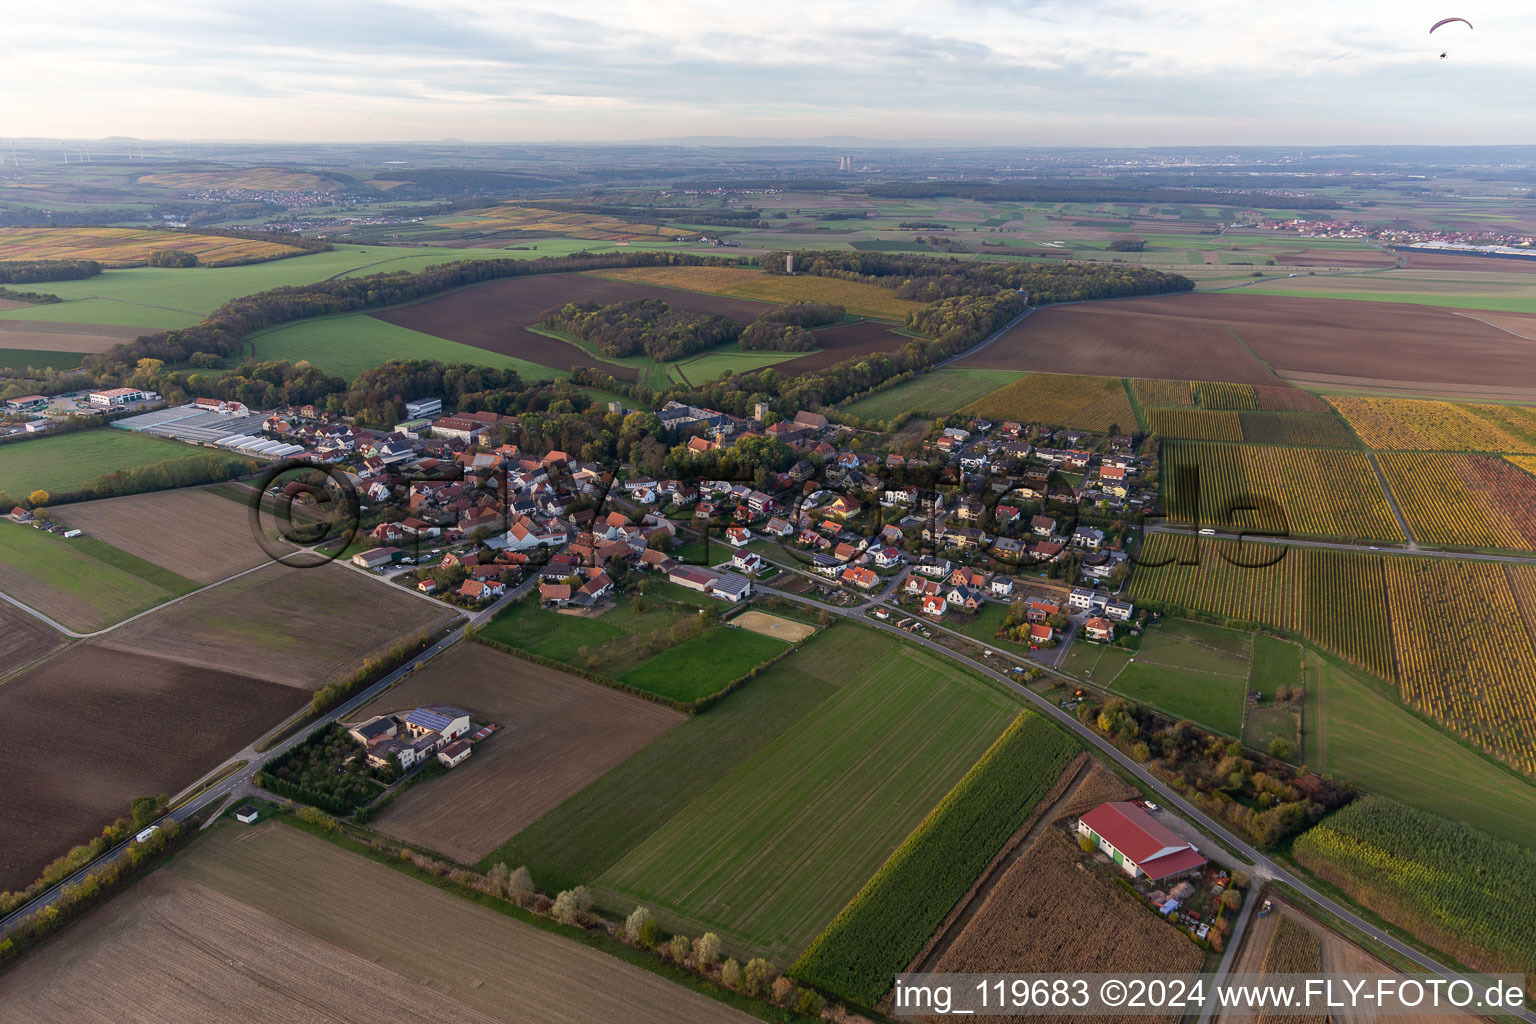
{"points": [[641, 326], [32, 271], [787, 329]]}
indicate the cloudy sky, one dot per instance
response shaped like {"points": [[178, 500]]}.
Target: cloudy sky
{"points": [[1007, 72]]}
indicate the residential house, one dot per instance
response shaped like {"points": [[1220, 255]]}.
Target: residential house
{"points": [[887, 558], [748, 561], [1087, 537], [934, 605], [738, 536], [1118, 611], [1042, 526], [965, 597], [1098, 628], [1001, 586], [481, 590], [864, 579]]}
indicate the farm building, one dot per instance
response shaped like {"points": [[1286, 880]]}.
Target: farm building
{"points": [[246, 814], [454, 753], [376, 557], [1137, 842]]}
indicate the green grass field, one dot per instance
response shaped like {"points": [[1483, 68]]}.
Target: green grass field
{"points": [[1276, 666], [699, 667], [167, 298], [1361, 732], [84, 583], [1096, 663], [21, 358], [771, 853], [64, 463], [1192, 670], [588, 833], [348, 345], [942, 391]]}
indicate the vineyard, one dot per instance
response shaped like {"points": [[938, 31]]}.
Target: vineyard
{"points": [[1195, 424], [1464, 655], [1301, 428], [1060, 399], [1468, 500], [1212, 395], [1402, 424], [1468, 892], [1283, 429], [887, 923], [1163, 394], [1333, 598], [126, 247], [1284, 398], [1457, 637], [1319, 492]]}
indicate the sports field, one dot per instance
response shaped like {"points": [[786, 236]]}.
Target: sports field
{"points": [[591, 831], [67, 462], [774, 850], [939, 392], [233, 930]]}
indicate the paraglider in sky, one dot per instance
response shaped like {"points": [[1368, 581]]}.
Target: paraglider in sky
{"points": [[1447, 21]]}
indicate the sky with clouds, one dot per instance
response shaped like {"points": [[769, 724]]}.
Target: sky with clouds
{"points": [[1005, 72]]}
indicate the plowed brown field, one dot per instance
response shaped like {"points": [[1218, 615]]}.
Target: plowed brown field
{"points": [[23, 640], [263, 924], [495, 315], [1337, 342], [91, 729]]}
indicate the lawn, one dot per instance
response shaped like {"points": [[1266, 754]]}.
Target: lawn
{"points": [[609, 643], [85, 586], [699, 667], [937, 393], [67, 462], [1096, 663], [1192, 670], [1362, 733], [592, 830], [347, 345], [770, 853]]}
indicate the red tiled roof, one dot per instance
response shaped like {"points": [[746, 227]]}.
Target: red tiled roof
{"points": [[1141, 838]]}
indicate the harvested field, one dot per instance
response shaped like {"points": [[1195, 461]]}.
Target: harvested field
{"points": [[1333, 342], [1058, 399], [296, 627], [233, 930], [23, 639], [128, 247], [266, 179], [82, 583], [495, 315], [137, 725], [1046, 917], [1426, 260], [839, 343], [1335, 258], [774, 626], [211, 538], [856, 297], [45, 336], [559, 733], [1338, 956]]}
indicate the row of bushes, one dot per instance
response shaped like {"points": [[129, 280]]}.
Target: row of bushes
{"points": [[36, 298], [75, 901], [372, 670]]}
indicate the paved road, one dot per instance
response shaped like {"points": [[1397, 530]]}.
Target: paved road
{"points": [[1333, 545], [1263, 868]]}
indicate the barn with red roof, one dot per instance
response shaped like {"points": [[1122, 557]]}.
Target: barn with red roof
{"points": [[1138, 842]]}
